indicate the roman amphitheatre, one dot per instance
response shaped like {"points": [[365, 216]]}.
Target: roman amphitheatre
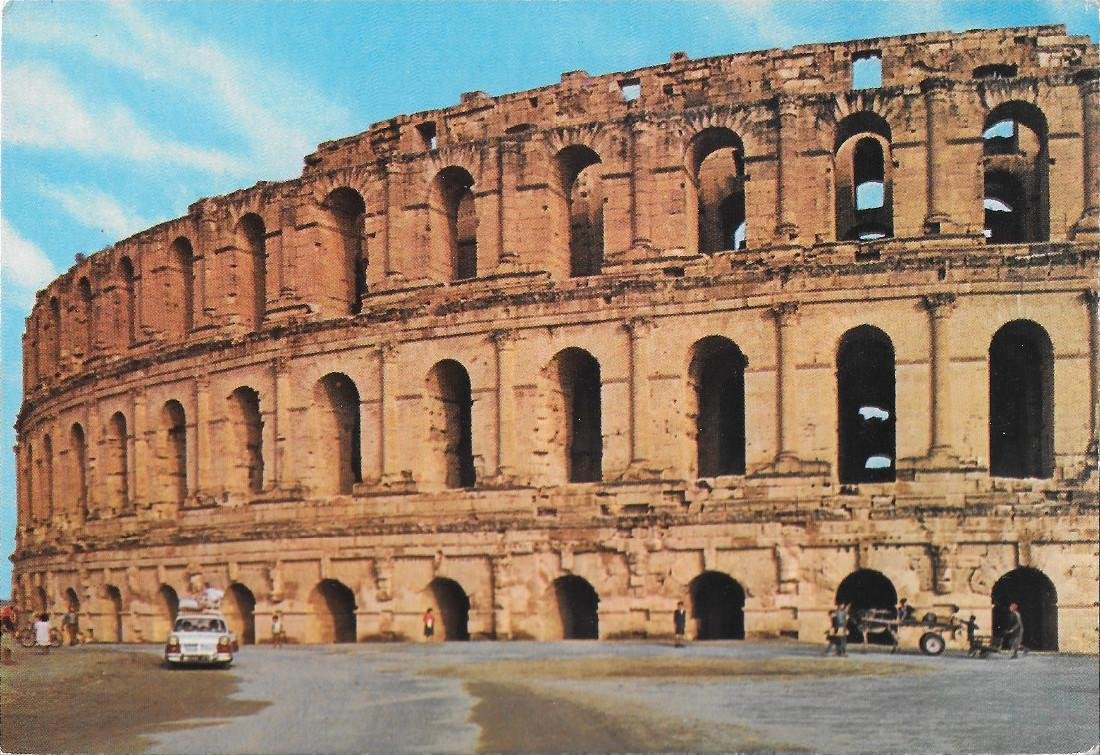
{"points": [[759, 332]]}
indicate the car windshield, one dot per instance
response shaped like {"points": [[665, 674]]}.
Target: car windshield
{"points": [[199, 624]]}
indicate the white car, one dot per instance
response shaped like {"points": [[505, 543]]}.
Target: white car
{"points": [[200, 638]]}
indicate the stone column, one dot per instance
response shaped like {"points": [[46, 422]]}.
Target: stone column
{"points": [[504, 342], [939, 308], [786, 409], [1089, 83], [1094, 371], [641, 157], [93, 436], [143, 463], [787, 178], [638, 330], [935, 103], [387, 428], [203, 458], [284, 455]]}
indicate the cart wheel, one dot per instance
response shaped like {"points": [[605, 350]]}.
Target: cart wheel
{"points": [[932, 643]]}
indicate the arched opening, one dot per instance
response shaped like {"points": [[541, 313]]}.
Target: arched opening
{"points": [[717, 375], [173, 425], [863, 173], [247, 426], [864, 589], [454, 220], [348, 212], [454, 608], [169, 608], [114, 617], [717, 165], [866, 421], [78, 447], [450, 407], [41, 600], [718, 607], [339, 456], [239, 607], [333, 605], [578, 608], [128, 326], [87, 315], [576, 375], [180, 294], [118, 463], [47, 480], [1016, 165], [1037, 602], [582, 219], [252, 269], [54, 326], [1021, 401]]}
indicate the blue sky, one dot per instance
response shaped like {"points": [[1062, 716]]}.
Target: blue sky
{"points": [[115, 116]]}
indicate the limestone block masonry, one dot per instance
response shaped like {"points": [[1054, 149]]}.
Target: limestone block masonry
{"points": [[759, 332]]}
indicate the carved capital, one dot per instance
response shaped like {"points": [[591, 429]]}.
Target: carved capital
{"points": [[785, 313], [935, 86], [504, 338], [638, 327], [939, 304], [1090, 297], [387, 351], [786, 106]]}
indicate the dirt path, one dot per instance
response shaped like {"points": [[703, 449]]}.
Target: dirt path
{"points": [[525, 707], [92, 699]]}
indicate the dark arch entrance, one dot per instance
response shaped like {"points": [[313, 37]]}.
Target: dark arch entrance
{"points": [[454, 608], [170, 608], [863, 589], [114, 597], [866, 422], [717, 373], [718, 607], [1038, 604], [1021, 401], [239, 608], [579, 606], [334, 611]]}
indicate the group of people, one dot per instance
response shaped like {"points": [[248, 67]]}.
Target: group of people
{"points": [[9, 625]]}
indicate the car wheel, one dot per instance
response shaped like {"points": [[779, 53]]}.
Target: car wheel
{"points": [[932, 643]]}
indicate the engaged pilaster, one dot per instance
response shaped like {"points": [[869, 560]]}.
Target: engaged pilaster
{"points": [[1088, 82], [935, 100], [786, 229], [939, 308]]}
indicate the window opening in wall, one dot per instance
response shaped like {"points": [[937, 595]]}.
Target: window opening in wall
{"points": [[717, 374], [867, 70], [581, 186], [428, 134], [718, 607], [118, 463], [864, 209], [865, 589], [348, 213], [452, 422], [995, 71], [454, 608], [333, 605], [182, 293], [631, 89], [1035, 595], [253, 266], [129, 328], [519, 128], [239, 607], [454, 223], [1016, 167], [174, 427], [1021, 402], [866, 422], [336, 401], [88, 314], [533, 101], [79, 445], [578, 379], [55, 332], [248, 433], [578, 607], [718, 176]]}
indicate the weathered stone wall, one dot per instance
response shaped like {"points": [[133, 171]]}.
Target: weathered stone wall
{"points": [[520, 355]]}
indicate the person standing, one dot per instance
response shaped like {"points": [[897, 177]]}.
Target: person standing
{"points": [[68, 625], [429, 625], [42, 632], [1014, 632], [838, 630], [277, 634], [679, 623], [7, 638]]}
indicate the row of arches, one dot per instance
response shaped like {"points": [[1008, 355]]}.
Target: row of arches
{"points": [[1020, 423], [1016, 203], [716, 605]]}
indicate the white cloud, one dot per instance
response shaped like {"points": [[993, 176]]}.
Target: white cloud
{"points": [[24, 268], [94, 208], [42, 110], [279, 117]]}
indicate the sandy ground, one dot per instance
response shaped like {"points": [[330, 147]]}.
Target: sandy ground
{"points": [[91, 699], [520, 707]]}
